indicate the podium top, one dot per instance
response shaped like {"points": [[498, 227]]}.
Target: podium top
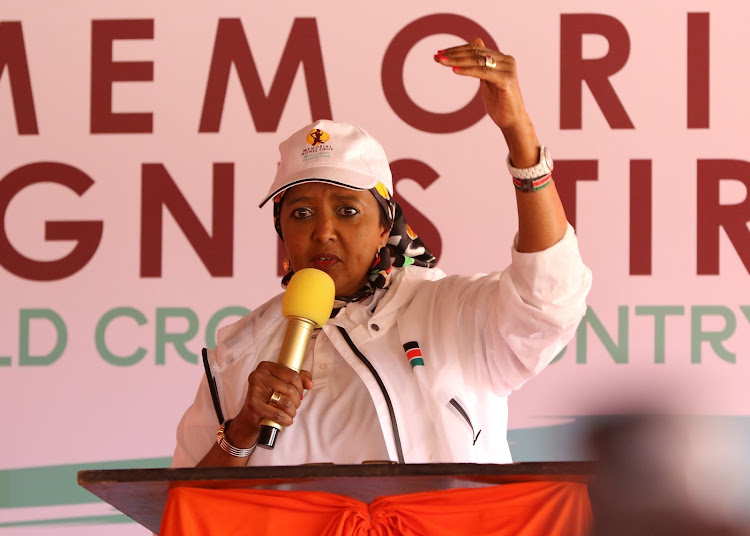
{"points": [[141, 494]]}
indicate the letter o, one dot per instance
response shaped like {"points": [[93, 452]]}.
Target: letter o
{"points": [[393, 70]]}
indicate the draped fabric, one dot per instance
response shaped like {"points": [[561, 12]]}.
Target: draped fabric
{"points": [[529, 508]]}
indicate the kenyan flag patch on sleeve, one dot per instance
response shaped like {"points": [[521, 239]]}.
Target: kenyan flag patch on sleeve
{"points": [[413, 353]]}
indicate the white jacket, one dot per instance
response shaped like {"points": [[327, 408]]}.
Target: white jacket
{"points": [[480, 337]]}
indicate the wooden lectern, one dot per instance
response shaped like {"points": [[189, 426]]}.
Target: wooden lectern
{"points": [[142, 494]]}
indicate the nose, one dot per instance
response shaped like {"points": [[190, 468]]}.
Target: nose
{"points": [[324, 229]]}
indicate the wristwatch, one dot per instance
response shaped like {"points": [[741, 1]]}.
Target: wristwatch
{"points": [[544, 167]]}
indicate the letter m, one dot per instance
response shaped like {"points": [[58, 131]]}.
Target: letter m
{"points": [[231, 48]]}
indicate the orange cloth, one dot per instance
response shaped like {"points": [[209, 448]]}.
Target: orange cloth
{"points": [[529, 508]]}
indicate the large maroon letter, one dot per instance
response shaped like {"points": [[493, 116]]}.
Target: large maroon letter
{"points": [[392, 73], [13, 54], [567, 174], [231, 47], [712, 215], [88, 234], [424, 175], [104, 72], [574, 70], [640, 217], [159, 190], [697, 70]]}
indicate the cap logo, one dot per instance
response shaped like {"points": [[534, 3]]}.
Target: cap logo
{"points": [[317, 137]]}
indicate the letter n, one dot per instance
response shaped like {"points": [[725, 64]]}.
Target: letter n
{"points": [[158, 191]]}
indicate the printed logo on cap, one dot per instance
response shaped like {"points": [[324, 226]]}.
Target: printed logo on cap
{"points": [[317, 139]]}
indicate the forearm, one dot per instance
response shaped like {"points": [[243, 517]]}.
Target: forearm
{"points": [[541, 217], [216, 457], [237, 435]]}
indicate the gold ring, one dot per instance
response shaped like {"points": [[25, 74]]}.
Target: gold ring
{"points": [[489, 62], [275, 399]]}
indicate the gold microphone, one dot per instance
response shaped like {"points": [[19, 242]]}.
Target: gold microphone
{"points": [[307, 305]]}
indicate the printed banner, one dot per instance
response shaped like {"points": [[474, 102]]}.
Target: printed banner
{"points": [[137, 140]]}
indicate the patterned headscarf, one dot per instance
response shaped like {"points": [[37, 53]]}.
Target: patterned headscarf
{"points": [[404, 248]]}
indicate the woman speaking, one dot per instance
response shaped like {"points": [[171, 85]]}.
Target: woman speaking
{"points": [[413, 366]]}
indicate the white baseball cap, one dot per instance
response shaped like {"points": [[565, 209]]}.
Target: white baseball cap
{"points": [[334, 153]]}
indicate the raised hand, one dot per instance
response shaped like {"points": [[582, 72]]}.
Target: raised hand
{"points": [[497, 76]]}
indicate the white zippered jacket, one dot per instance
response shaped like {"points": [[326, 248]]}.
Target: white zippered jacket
{"points": [[480, 337]]}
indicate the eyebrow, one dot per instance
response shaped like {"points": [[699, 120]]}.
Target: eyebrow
{"points": [[340, 197]]}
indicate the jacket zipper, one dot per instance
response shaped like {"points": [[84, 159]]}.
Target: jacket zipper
{"points": [[360, 355], [212, 387], [453, 402]]}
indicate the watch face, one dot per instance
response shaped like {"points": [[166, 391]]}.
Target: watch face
{"points": [[546, 158]]}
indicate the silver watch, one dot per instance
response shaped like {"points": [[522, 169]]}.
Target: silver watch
{"points": [[544, 167]]}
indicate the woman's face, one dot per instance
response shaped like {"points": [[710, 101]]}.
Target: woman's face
{"points": [[333, 229]]}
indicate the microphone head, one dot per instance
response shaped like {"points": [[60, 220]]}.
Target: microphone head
{"points": [[309, 294]]}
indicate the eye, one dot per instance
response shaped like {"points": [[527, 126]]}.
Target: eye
{"points": [[347, 211], [301, 213]]}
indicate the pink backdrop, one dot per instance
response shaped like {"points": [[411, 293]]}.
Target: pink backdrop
{"points": [[644, 107]]}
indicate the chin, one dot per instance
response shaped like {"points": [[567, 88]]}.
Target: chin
{"points": [[348, 290]]}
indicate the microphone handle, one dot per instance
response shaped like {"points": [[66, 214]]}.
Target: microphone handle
{"points": [[292, 353]]}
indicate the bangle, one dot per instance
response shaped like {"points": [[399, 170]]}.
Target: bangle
{"points": [[227, 447], [532, 185]]}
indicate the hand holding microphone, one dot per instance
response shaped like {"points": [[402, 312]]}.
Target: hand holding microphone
{"points": [[307, 305], [308, 302]]}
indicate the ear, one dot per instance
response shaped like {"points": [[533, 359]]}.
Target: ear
{"points": [[384, 234]]}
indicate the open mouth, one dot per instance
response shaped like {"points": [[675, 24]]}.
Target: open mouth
{"points": [[325, 260]]}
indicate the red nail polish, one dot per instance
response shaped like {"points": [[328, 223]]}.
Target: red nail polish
{"points": [[456, 69], [441, 52]]}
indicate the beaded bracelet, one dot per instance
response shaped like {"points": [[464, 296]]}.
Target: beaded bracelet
{"points": [[532, 185]]}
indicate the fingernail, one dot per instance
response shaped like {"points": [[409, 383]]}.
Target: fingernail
{"points": [[301, 397], [441, 52], [487, 56], [456, 69]]}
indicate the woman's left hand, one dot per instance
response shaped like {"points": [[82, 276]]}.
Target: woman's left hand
{"points": [[501, 94], [498, 80], [541, 218]]}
